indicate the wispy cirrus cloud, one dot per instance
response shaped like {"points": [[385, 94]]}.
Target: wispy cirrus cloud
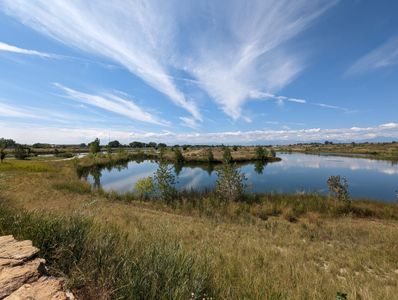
{"points": [[10, 111], [112, 103], [226, 48], [13, 49], [383, 56], [282, 99]]}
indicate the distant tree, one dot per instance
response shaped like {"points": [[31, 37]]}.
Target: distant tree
{"points": [[162, 145], [185, 147], [41, 145], [209, 154], [94, 147], [7, 143], [152, 145], [20, 152], [235, 148], [227, 156], [178, 157], [136, 145], [82, 145], [260, 154], [114, 144]]}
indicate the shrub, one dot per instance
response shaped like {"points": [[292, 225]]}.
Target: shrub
{"points": [[145, 187], [165, 183], [20, 152], [230, 183], [338, 186], [272, 153]]}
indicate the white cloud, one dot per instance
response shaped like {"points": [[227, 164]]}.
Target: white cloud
{"points": [[113, 103], [15, 112], [73, 135], [227, 48], [281, 99], [13, 49], [127, 32], [383, 56], [189, 122]]}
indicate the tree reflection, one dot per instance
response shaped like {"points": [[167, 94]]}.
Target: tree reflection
{"points": [[259, 167]]}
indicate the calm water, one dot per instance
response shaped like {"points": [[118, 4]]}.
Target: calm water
{"points": [[295, 173]]}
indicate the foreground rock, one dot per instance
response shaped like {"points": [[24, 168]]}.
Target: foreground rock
{"points": [[23, 275]]}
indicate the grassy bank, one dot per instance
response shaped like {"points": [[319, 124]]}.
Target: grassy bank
{"points": [[267, 247], [384, 151]]}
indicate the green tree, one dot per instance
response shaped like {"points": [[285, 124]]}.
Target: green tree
{"points": [[260, 153], [235, 148], [114, 144], [108, 149], [178, 157], [227, 156], [7, 143], [209, 155], [20, 152], [162, 145], [165, 182], [94, 147], [230, 185], [338, 186]]}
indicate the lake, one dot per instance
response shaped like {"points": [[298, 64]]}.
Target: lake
{"points": [[372, 179]]}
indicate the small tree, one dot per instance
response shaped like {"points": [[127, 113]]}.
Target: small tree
{"points": [[178, 157], [165, 183], [209, 154], [94, 146], [230, 185], [235, 148], [227, 156], [109, 149], [338, 186], [260, 154], [20, 152]]}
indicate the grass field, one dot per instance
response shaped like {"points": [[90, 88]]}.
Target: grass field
{"points": [[278, 247]]}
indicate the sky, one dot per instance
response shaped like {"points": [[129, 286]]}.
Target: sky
{"points": [[199, 72]]}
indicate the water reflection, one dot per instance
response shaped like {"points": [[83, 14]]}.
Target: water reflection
{"points": [[295, 173]]}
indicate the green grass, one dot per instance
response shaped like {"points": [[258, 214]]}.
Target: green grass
{"points": [[25, 165], [103, 261]]}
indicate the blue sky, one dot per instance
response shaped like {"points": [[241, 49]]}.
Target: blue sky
{"points": [[198, 71]]}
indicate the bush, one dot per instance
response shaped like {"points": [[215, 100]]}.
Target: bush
{"points": [[145, 187], [165, 183], [230, 183], [338, 186], [20, 152]]}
